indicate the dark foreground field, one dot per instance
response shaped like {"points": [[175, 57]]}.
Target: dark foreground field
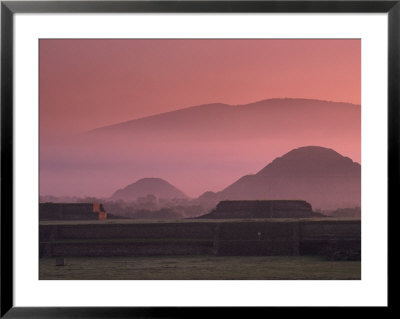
{"points": [[201, 268]]}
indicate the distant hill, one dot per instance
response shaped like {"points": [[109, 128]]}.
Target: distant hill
{"points": [[148, 186], [204, 147], [318, 175], [267, 118]]}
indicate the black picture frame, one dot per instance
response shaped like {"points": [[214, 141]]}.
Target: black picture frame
{"points": [[9, 8]]}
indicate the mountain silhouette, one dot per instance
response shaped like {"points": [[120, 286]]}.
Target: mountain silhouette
{"points": [[272, 117], [201, 148], [319, 175], [148, 186]]}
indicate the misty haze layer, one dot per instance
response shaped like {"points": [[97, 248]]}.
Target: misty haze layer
{"points": [[197, 149]]}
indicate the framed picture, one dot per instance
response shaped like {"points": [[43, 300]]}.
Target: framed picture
{"points": [[163, 155]]}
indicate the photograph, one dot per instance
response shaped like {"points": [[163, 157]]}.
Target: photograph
{"points": [[199, 159]]}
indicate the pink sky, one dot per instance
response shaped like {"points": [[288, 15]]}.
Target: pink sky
{"points": [[86, 84]]}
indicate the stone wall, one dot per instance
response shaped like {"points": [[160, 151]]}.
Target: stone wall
{"points": [[110, 249], [71, 211], [262, 209], [322, 237], [133, 231], [295, 237]]}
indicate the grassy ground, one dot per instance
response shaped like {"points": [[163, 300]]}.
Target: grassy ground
{"points": [[200, 268]]}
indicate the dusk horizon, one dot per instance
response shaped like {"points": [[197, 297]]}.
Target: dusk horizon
{"points": [[198, 113], [207, 159]]}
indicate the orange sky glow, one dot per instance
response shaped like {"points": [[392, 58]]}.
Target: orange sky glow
{"points": [[87, 84]]}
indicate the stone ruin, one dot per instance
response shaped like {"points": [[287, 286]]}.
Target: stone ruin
{"points": [[72, 211], [262, 209]]}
